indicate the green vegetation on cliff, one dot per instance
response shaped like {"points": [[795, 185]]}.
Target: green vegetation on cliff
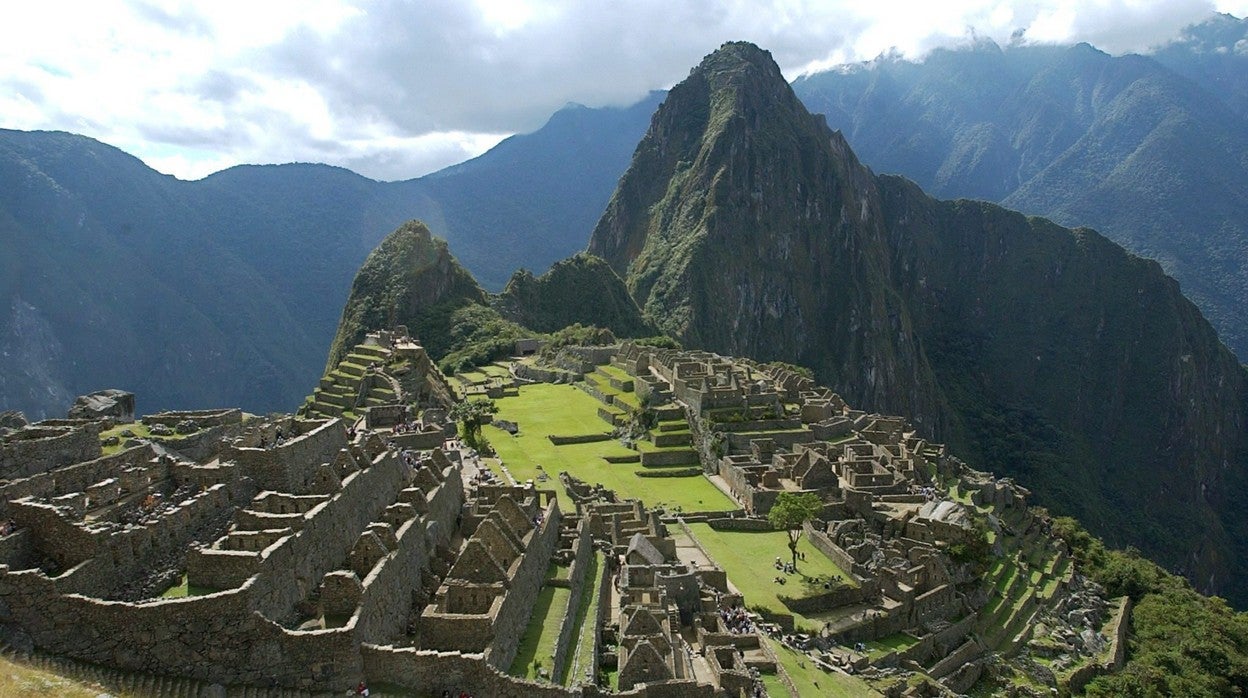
{"points": [[411, 279], [581, 289], [1182, 643]]}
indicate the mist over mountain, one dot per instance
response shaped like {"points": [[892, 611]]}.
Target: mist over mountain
{"points": [[744, 225], [227, 290], [1151, 151]]}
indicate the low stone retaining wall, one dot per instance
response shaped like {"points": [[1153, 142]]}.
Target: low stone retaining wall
{"points": [[833, 598], [757, 425], [751, 524], [656, 459], [578, 439], [669, 472]]}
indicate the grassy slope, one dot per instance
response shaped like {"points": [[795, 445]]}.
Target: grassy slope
{"points": [[18, 679], [748, 557], [546, 409]]}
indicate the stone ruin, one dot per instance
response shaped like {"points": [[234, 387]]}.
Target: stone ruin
{"points": [[309, 553]]}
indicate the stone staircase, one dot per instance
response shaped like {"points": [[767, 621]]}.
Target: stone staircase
{"points": [[338, 394]]}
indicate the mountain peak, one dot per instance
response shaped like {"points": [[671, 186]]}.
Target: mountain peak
{"points": [[735, 59], [737, 201]]}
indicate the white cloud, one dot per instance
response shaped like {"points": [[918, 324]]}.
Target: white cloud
{"points": [[394, 89]]}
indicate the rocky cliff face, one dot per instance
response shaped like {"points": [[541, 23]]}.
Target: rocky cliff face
{"points": [[744, 225]]}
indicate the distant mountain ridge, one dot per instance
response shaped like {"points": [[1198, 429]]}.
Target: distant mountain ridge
{"points": [[227, 290], [744, 225], [1151, 151]]}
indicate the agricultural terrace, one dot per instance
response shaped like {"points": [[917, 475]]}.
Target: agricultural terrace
{"points": [[544, 409], [747, 558]]}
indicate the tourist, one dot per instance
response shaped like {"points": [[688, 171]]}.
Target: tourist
{"points": [[361, 690]]}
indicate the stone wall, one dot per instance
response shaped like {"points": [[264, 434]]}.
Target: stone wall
{"points": [[205, 444], [204, 418], [431, 673], [740, 524], [579, 584], [37, 449], [76, 478], [517, 605], [290, 466], [331, 529], [824, 544], [578, 438], [834, 598], [662, 458], [211, 568], [387, 600], [1116, 628], [965, 653]]}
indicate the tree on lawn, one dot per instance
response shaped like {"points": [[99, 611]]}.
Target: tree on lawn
{"points": [[471, 414], [790, 512]]}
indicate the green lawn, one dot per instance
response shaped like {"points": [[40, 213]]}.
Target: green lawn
{"points": [[615, 372], [810, 680], [747, 558], [141, 431], [540, 638], [898, 642], [184, 589], [545, 409], [495, 371]]}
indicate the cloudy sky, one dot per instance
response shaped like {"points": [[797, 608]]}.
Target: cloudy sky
{"points": [[397, 89]]}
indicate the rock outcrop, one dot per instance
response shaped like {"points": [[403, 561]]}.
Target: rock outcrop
{"points": [[112, 403]]}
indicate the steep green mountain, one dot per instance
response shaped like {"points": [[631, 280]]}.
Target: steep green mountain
{"points": [[410, 279], [1153, 159], [581, 289], [227, 290], [745, 225]]}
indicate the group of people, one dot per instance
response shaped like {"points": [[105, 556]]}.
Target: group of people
{"points": [[736, 620], [786, 567], [407, 426], [827, 583], [278, 439]]}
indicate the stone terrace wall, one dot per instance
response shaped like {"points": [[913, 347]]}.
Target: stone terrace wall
{"points": [[288, 467], [36, 449], [293, 570], [433, 672], [517, 605], [74, 478], [579, 582]]}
